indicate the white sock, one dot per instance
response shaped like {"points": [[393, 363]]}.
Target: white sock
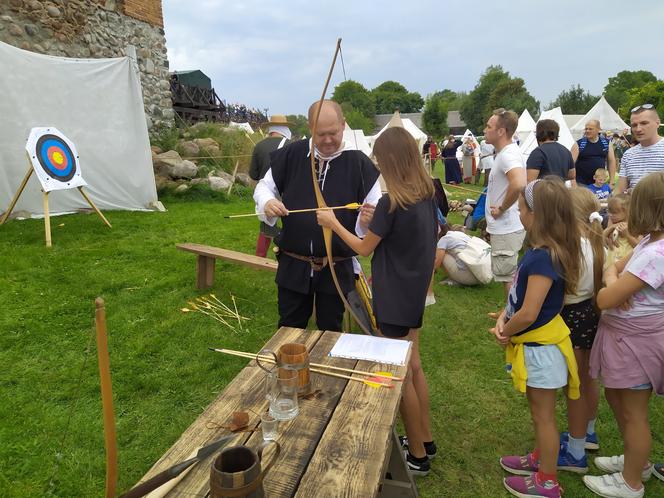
{"points": [[591, 426], [576, 447]]}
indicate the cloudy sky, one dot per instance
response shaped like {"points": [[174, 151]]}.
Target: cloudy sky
{"points": [[276, 55]]}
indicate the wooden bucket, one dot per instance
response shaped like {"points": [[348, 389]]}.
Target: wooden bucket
{"points": [[237, 472], [294, 356]]}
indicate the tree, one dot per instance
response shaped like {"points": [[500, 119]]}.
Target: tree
{"points": [[650, 93], [434, 118], [355, 94], [357, 120], [512, 94], [617, 89], [473, 107], [452, 99], [300, 125], [391, 96], [576, 100]]}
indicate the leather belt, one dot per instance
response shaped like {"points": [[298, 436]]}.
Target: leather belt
{"points": [[317, 263]]}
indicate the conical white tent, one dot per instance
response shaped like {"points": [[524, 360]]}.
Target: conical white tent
{"points": [[564, 135], [396, 120], [602, 111], [526, 126], [355, 140]]}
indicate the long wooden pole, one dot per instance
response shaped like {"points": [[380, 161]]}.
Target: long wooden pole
{"points": [[18, 194], [353, 205], [106, 399], [47, 221], [92, 204]]}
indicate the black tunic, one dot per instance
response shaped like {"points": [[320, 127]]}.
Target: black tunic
{"points": [[402, 264], [349, 178]]}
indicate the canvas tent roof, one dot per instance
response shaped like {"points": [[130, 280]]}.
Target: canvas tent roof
{"points": [[609, 119], [396, 120], [525, 126], [241, 126], [355, 140], [112, 141], [564, 135]]}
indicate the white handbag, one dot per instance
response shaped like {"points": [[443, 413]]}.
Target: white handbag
{"points": [[477, 257]]}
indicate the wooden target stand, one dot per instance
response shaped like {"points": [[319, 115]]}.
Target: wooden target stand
{"points": [[47, 218]]}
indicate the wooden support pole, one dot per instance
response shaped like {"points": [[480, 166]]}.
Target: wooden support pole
{"points": [[47, 221], [92, 204], [237, 163], [18, 194]]}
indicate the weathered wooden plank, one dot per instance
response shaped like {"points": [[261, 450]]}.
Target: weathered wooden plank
{"points": [[244, 393], [352, 455], [299, 437], [228, 255]]}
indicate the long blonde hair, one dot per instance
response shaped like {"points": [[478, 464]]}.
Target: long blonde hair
{"points": [[585, 203], [402, 168], [554, 227]]}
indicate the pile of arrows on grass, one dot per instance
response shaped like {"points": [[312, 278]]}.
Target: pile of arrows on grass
{"points": [[214, 308]]}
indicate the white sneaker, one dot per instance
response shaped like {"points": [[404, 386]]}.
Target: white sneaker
{"points": [[611, 486], [617, 464], [430, 300]]}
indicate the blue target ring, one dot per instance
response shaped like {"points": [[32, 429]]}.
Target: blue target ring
{"points": [[56, 158]]}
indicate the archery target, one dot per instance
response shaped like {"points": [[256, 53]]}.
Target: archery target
{"points": [[54, 159]]}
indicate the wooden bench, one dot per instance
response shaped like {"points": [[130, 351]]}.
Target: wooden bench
{"points": [[207, 255]]}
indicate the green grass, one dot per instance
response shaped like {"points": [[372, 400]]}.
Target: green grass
{"points": [[51, 436]]}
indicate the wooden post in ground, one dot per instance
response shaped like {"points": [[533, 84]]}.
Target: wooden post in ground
{"points": [[237, 163], [92, 204], [18, 194], [47, 221]]}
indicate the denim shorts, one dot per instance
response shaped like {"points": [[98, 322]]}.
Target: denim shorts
{"points": [[546, 366], [641, 387]]}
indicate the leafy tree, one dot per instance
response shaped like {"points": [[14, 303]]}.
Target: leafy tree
{"points": [[452, 99], [434, 118], [473, 107], [512, 94], [576, 100], [355, 94], [391, 96], [300, 125], [357, 120], [650, 93], [617, 89]]}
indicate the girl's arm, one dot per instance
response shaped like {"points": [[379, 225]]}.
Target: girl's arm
{"points": [[620, 290], [613, 271], [440, 255], [536, 291], [363, 247]]}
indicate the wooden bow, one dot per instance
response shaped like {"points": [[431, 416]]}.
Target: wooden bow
{"points": [[320, 200]]}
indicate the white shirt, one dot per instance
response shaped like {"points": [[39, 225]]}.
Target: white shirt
{"points": [[586, 286], [506, 160]]}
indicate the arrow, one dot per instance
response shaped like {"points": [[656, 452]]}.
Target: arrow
{"points": [[351, 206]]}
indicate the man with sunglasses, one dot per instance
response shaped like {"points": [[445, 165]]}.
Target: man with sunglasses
{"points": [[648, 155]]}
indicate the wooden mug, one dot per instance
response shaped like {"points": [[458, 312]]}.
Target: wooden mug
{"points": [[294, 356]]}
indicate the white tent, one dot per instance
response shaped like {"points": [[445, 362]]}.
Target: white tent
{"points": [[396, 120], [355, 140], [525, 126], [564, 135], [241, 126], [95, 103], [476, 150], [609, 119]]}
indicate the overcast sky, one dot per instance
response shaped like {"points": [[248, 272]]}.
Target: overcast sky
{"points": [[276, 55]]}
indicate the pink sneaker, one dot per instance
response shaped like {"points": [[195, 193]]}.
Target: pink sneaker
{"points": [[519, 465], [530, 487]]}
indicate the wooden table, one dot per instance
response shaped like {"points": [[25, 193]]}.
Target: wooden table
{"points": [[341, 444]]}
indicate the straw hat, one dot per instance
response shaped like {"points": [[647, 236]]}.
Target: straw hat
{"points": [[278, 120]]}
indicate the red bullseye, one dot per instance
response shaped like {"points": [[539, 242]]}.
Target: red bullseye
{"points": [[57, 157]]}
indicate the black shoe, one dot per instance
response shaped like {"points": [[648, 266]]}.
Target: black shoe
{"points": [[658, 471], [417, 468], [430, 448]]}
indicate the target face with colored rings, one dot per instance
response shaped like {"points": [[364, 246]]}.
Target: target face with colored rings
{"points": [[55, 157]]}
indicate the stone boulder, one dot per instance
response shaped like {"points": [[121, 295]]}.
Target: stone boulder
{"points": [[184, 169], [182, 188], [200, 181], [244, 179], [208, 146], [163, 162], [161, 182], [219, 184], [189, 148], [222, 174]]}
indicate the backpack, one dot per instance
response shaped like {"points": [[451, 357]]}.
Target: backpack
{"points": [[584, 141], [477, 257]]}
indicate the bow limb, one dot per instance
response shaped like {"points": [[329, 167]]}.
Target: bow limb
{"points": [[320, 200]]}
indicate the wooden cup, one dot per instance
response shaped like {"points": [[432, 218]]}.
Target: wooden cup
{"points": [[294, 356]]}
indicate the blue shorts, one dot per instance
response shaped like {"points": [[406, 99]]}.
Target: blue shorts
{"points": [[642, 387], [546, 367]]}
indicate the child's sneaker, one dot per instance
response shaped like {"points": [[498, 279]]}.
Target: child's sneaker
{"points": [[611, 486], [531, 487], [615, 464], [658, 471], [567, 462], [430, 448], [519, 465], [592, 441], [417, 468]]}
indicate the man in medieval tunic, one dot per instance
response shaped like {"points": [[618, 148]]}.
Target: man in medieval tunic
{"points": [[344, 176]]}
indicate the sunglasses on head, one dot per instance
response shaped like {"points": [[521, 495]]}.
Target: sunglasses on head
{"points": [[642, 107]]}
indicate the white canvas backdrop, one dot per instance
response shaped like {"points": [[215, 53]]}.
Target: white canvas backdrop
{"points": [[98, 105]]}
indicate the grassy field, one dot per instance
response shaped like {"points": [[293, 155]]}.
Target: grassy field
{"points": [[51, 437]]}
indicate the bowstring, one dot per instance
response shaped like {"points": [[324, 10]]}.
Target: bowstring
{"points": [[343, 67]]}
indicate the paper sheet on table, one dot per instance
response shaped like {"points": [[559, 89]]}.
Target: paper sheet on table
{"points": [[366, 347]]}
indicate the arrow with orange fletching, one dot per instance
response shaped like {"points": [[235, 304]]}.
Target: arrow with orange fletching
{"points": [[351, 206]]}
